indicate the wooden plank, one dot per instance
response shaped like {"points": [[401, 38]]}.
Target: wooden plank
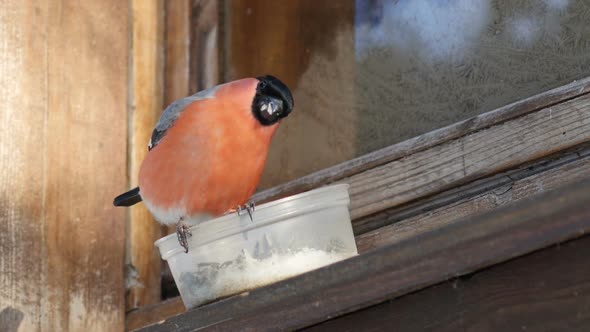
{"points": [[63, 90], [426, 141], [147, 102], [151, 314], [23, 96], [177, 54], [154, 313], [192, 49], [498, 183], [470, 157], [515, 188], [396, 270], [548, 290], [87, 104], [204, 46]]}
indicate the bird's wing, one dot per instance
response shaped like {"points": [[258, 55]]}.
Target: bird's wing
{"points": [[173, 112]]}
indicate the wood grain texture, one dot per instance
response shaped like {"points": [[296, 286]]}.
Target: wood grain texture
{"points": [[396, 270], [470, 157], [287, 49], [177, 45], [548, 290], [426, 141], [192, 49], [23, 155], [147, 103], [513, 189], [154, 313], [63, 91], [204, 45]]}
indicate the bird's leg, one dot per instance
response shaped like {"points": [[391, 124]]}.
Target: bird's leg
{"points": [[182, 232], [248, 207]]}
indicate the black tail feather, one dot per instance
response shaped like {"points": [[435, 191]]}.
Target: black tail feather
{"points": [[129, 198]]}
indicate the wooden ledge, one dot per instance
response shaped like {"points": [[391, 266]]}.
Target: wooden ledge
{"points": [[391, 271], [476, 198]]}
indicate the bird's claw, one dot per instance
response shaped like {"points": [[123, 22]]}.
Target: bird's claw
{"points": [[183, 233], [249, 208]]}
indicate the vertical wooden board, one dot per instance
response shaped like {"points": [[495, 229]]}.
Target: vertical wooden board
{"points": [[147, 101], [204, 48], [310, 46], [191, 47], [87, 61], [63, 92], [177, 49], [23, 117]]}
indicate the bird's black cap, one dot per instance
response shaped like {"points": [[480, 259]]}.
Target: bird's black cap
{"points": [[273, 100]]}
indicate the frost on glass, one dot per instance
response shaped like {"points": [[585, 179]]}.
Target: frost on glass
{"points": [[425, 64]]}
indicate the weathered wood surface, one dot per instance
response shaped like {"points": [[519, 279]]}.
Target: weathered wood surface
{"points": [[470, 157], [426, 141], [548, 290], [177, 49], [288, 48], [63, 97], [474, 199], [191, 47], [154, 313], [396, 270], [204, 45], [146, 106], [497, 183]]}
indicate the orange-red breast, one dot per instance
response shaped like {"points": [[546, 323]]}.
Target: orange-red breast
{"points": [[208, 151]]}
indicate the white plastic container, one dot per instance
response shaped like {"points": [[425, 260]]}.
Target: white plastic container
{"points": [[290, 236]]}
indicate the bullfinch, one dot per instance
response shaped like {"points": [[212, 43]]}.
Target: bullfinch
{"points": [[207, 152]]}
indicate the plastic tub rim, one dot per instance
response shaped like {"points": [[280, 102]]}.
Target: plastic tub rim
{"points": [[278, 217]]}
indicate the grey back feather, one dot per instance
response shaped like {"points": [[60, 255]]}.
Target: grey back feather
{"points": [[173, 112]]}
